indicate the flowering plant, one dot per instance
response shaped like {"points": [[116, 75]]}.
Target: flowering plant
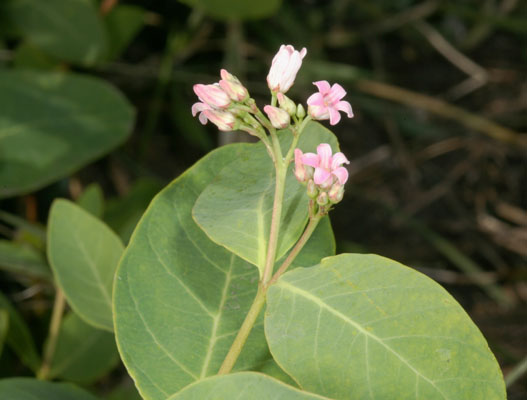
{"points": [[247, 229]]}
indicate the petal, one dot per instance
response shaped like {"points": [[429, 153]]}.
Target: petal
{"points": [[203, 118], [334, 116], [303, 53], [323, 86], [311, 159], [336, 93], [298, 157], [198, 107], [341, 174], [324, 152], [321, 175], [346, 107], [316, 99], [337, 160]]}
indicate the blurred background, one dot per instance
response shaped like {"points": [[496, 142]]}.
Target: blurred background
{"points": [[438, 149]]}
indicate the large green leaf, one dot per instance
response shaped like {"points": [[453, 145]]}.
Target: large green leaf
{"points": [[83, 353], [366, 327], [33, 389], [22, 258], [83, 253], [242, 385], [19, 338], [68, 29], [235, 209], [52, 124], [236, 9], [179, 298]]}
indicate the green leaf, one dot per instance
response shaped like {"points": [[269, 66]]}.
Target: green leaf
{"points": [[23, 259], [32, 389], [19, 337], [73, 121], [123, 214], [83, 353], [92, 200], [122, 25], [4, 327], [236, 9], [235, 209], [67, 29], [83, 253], [242, 385], [179, 298], [364, 326]]}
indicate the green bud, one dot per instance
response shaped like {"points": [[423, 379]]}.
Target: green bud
{"points": [[300, 111]]}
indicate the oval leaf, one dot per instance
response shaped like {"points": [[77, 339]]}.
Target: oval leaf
{"points": [[235, 209], [366, 327], [179, 298], [31, 389], [83, 353], [83, 253], [68, 29], [73, 121], [242, 385]]}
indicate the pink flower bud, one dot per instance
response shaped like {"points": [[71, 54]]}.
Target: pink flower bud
{"points": [[212, 95], [286, 104], [322, 199], [336, 193], [284, 68], [224, 120], [232, 86], [279, 118]]}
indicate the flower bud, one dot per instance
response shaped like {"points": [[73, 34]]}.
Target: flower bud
{"points": [[336, 193], [322, 199], [312, 189], [224, 120], [279, 118], [300, 111], [212, 95], [286, 104], [232, 86], [284, 68]]}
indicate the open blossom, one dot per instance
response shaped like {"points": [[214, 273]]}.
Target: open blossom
{"points": [[279, 118], [224, 120], [284, 68], [327, 103], [212, 95], [328, 167]]}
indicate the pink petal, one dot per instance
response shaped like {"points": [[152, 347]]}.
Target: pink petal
{"points": [[323, 86], [311, 159], [203, 118], [337, 160], [298, 157], [336, 93], [334, 116], [316, 99], [198, 107], [341, 174], [346, 107], [303, 52], [324, 152], [321, 175]]}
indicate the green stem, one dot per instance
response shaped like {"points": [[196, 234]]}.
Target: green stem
{"points": [[281, 171], [243, 333], [51, 344], [311, 226]]}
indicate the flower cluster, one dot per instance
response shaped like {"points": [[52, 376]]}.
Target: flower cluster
{"points": [[228, 105], [323, 173]]}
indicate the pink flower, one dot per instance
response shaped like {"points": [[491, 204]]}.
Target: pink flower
{"points": [[279, 118], [284, 68], [327, 103], [224, 120], [232, 86], [327, 167], [212, 95]]}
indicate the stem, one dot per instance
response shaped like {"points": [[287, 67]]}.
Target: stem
{"points": [[311, 226], [51, 345], [243, 333], [281, 171]]}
